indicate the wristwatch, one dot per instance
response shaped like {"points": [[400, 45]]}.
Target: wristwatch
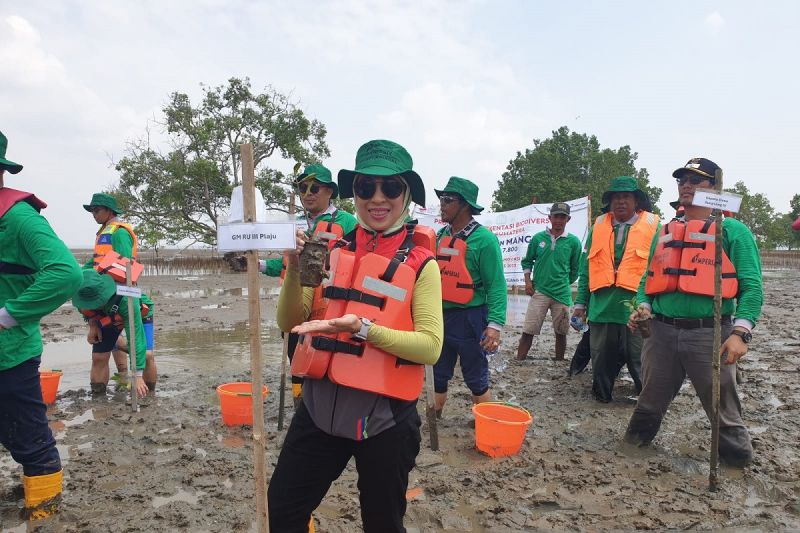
{"points": [[746, 336], [362, 333]]}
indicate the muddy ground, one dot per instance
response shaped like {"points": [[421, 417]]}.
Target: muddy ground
{"points": [[174, 467]]}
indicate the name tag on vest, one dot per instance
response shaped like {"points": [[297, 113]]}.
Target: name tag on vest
{"points": [[449, 251]]}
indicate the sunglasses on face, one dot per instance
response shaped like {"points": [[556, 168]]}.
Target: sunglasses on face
{"points": [[308, 188], [446, 199], [694, 179], [366, 186]]}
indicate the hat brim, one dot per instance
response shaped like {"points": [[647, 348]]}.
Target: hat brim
{"points": [[681, 170], [89, 207], [559, 212], [109, 288], [640, 196], [331, 184], [346, 177], [10, 166], [475, 207]]}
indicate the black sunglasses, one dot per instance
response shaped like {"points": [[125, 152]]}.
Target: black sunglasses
{"points": [[365, 187], [694, 179], [308, 188], [446, 199]]}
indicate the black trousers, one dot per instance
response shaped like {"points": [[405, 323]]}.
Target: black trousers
{"points": [[311, 460], [23, 420], [293, 339]]}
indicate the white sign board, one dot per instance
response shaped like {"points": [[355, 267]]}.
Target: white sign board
{"points": [[725, 201], [515, 228], [124, 290], [241, 237]]}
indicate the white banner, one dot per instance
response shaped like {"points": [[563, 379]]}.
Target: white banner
{"points": [[514, 229]]}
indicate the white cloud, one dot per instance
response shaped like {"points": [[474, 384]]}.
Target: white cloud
{"points": [[25, 63], [715, 21]]}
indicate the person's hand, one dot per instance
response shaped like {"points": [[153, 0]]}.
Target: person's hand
{"points": [[641, 313], [529, 288], [490, 340], [735, 347], [95, 335], [292, 256], [141, 387], [346, 324], [580, 312]]}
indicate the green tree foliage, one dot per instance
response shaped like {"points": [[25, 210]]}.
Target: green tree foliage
{"points": [[757, 214], [782, 232], [565, 166], [181, 192]]}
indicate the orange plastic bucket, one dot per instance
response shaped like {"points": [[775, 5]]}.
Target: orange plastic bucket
{"points": [[500, 428], [236, 402], [49, 380]]}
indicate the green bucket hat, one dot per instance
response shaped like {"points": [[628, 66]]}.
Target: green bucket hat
{"points": [[321, 174], [383, 158], [625, 184], [465, 189], [100, 199], [95, 290], [5, 164]]}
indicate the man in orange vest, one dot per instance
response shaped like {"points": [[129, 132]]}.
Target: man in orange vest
{"points": [[678, 292], [615, 260]]}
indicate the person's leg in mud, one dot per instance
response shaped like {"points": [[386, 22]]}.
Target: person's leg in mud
{"points": [[662, 377], [560, 314], [383, 463], [695, 348], [632, 341], [25, 433], [473, 359], [582, 355], [606, 361], [310, 460], [532, 326], [150, 373], [101, 355], [445, 366]]}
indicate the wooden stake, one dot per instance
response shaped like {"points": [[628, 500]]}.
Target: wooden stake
{"points": [[253, 300], [430, 408], [285, 355], [715, 355], [131, 343]]}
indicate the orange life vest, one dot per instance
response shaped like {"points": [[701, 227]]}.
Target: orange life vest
{"points": [[457, 285], [115, 266], [102, 244], [9, 197], [631, 268], [113, 317], [425, 237], [379, 289], [683, 261]]}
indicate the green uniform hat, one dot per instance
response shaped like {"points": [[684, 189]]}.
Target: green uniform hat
{"points": [[5, 164], [465, 189], [625, 184], [103, 200], [322, 175], [95, 291], [383, 158]]}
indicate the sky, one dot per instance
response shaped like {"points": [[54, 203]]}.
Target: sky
{"points": [[463, 85]]}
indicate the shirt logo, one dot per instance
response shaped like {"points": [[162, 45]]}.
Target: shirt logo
{"points": [[542, 244]]}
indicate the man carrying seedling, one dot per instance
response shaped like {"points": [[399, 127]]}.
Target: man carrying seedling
{"points": [[317, 190], [678, 291], [37, 274], [554, 255], [107, 316], [473, 292], [612, 267]]}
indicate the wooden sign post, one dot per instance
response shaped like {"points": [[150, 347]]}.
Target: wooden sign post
{"points": [[130, 291], [715, 356]]}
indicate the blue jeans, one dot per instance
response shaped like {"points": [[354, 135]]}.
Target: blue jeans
{"points": [[463, 328], [23, 420]]}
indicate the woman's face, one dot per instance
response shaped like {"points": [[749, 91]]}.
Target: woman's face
{"points": [[380, 201]]}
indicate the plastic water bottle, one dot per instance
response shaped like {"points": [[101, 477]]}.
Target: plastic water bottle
{"points": [[578, 324]]}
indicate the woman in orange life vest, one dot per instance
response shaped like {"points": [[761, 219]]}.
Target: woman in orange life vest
{"points": [[337, 422]]}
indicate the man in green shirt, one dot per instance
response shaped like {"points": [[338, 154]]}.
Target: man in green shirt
{"points": [[682, 332], [612, 267], [37, 274], [473, 292], [554, 255]]}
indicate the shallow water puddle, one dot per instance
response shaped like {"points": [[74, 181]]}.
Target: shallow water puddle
{"points": [[180, 496]]}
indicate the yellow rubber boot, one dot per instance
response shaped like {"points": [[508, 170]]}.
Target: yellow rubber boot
{"points": [[311, 525], [41, 494]]}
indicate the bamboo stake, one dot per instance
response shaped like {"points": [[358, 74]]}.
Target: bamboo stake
{"points": [[715, 355], [254, 308], [131, 343], [430, 408], [285, 355]]}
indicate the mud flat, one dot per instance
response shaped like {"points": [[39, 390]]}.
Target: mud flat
{"points": [[174, 467]]}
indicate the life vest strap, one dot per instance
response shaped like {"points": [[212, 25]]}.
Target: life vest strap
{"points": [[12, 268], [330, 344], [353, 295], [680, 271], [469, 285]]}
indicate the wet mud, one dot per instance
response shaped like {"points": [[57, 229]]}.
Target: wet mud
{"points": [[173, 466]]}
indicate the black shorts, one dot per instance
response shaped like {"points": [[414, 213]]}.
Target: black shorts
{"points": [[110, 334]]}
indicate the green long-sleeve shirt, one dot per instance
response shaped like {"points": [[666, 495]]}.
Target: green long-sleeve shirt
{"points": [[741, 248], [346, 220], [485, 264], [555, 263], [121, 242], [27, 239], [141, 343]]}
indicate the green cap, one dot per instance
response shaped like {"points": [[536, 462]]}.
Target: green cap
{"points": [[5, 164], [624, 184], [322, 175], [465, 189], [95, 291], [383, 158], [100, 199]]}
